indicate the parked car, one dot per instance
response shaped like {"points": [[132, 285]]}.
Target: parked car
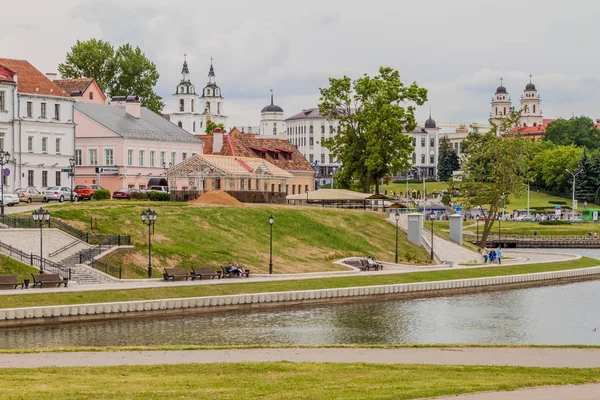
{"points": [[158, 189], [124, 193], [86, 191], [60, 193], [10, 199], [29, 195]]}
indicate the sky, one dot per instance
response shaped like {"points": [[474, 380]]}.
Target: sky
{"points": [[456, 49]]}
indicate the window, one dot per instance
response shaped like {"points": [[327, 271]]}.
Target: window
{"points": [[29, 109], [43, 110], [91, 95], [311, 158], [422, 158], [142, 187], [173, 158], [311, 141], [179, 124], [57, 112], [141, 158], [30, 178], [330, 159], [534, 108], [339, 129], [192, 105], [109, 157], [414, 158], [414, 142], [163, 158], [3, 101], [58, 145], [431, 159], [45, 178], [422, 142], [93, 157], [330, 129], [78, 157], [130, 158], [57, 178], [153, 158], [183, 156], [194, 126], [274, 130], [322, 158], [431, 142], [44, 144], [322, 129], [1, 140], [30, 144], [181, 104], [496, 110], [310, 129]]}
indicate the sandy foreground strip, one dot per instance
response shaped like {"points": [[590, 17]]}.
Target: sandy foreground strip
{"points": [[527, 357]]}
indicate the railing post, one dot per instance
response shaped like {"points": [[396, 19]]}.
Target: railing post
{"points": [[31, 259]]}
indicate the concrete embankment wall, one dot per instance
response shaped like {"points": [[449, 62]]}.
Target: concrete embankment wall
{"points": [[147, 308]]}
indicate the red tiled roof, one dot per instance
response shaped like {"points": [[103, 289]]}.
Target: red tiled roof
{"points": [[74, 85], [32, 81], [6, 75]]}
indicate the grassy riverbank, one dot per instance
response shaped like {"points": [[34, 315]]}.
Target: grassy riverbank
{"points": [[247, 286], [10, 266], [278, 380]]}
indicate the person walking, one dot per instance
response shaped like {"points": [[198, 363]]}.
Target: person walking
{"points": [[485, 253], [499, 255]]}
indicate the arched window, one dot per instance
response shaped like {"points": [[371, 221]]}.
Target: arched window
{"points": [[181, 89], [496, 110], [524, 124], [181, 105], [534, 124], [217, 92], [207, 106], [180, 124], [192, 105], [338, 129], [218, 108], [323, 129], [310, 130], [274, 130], [194, 127], [534, 108], [504, 111]]}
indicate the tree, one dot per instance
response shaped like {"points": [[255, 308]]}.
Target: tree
{"points": [[211, 126], [124, 72], [448, 161], [587, 182], [494, 166], [551, 166], [579, 131], [373, 120]]}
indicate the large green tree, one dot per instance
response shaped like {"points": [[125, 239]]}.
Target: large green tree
{"points": [[448, 160], [126, 71], [494, 166], [374, 113], [579, 131], [211, 126], [551, 166]]}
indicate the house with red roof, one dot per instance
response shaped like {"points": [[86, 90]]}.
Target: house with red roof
{"points": [[533, 132], [84, 90], [36, 127]]}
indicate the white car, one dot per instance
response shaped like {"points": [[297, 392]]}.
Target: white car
{"points": [[10, 199], [60, 193]]}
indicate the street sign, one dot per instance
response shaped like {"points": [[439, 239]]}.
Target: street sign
{"points": [[6, 172], [66, 170], [107, 170]]}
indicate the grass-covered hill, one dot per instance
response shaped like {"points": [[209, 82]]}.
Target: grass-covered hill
{"points": [[304, 239]]}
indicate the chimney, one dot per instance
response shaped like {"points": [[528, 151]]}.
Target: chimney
{"points": [[217, 140], [133, 107], [52, 76]]}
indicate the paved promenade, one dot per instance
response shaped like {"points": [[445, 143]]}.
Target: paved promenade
{"points": [[568, 392]]}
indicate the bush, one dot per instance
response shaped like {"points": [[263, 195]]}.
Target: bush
{"points": [[139, 196], [555, 222], [446, 199], [413, 180], [101, 194], [158, 196], [559, 203]]}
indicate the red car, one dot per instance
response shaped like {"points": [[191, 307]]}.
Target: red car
{"points": [[124, 193], [86, 191]]}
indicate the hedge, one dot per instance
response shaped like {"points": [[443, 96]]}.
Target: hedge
{"points": [[101, 194], [555, 222]]}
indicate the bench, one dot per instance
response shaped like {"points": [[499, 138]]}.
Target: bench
{"points": [[9, 282], [45, 280], [205, 272], [176, 274], [229, 274]]}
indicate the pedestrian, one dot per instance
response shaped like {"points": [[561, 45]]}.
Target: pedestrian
{"points": [[492, 256], [534, 235], [499, 255], [486, 254]]}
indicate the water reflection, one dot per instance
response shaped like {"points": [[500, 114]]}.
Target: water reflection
{"points": [[561, 314]]}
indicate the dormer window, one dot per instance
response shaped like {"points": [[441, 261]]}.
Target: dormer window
{"points": [[181, 89]]}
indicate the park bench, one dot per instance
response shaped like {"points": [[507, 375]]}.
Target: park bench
{"points": [[9, 282], [229, 274], [176, 274], [45, 280], [205, 272]]}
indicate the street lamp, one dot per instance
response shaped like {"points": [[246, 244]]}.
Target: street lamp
{"points": [[431, 235], [397, 216], [149, 217], [41, 216], [574, 175], [4, 159], [271, 222], [72, 174], [500, 222], [166, 168]]}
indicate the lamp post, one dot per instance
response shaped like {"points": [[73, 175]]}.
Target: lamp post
{"points": [[166, 168], [72, 174], [397, 216], [500, 222], [574, 175], [40, 216], [149, 217], [407, 190], [432, 236], [4, 159], [271, 222]]}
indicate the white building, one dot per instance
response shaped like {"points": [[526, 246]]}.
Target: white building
{"points": [[192, 111], [307, 130], [36, 126], [426, 140], [272, 122], [531, 106]]}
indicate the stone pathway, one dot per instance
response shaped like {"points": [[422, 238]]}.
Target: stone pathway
{"points": [[568, 392]]}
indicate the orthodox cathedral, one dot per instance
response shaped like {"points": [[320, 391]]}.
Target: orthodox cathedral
{"points": [[193, 110], [531, 105]]}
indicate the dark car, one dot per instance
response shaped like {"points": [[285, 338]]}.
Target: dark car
{"points": [[124, 193]]}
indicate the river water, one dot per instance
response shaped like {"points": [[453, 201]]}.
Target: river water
{"points": [[559, 314]]}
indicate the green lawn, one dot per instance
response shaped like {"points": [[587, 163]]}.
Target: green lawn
{"points": [[9, 266], [527, 228], [304, 239], [103, 296], [429, 187], [278, 380]]}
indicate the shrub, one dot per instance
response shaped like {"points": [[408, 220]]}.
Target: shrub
{"points": [[158, 196], [139, 196], [446, 199], [559, 203], [555, 222], [413, 180], [101, 194]]}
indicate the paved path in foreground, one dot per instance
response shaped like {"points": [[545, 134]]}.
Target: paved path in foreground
{"points": [[530, 357], [568, 392]]}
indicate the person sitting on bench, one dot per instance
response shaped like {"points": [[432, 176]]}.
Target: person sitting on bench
{"points": [[234, 268], [378, 265]]}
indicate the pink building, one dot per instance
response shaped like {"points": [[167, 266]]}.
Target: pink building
{"points": [[122, 145], [85, 90]]}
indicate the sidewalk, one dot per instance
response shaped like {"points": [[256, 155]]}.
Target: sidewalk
{"points": [[569, 392]]}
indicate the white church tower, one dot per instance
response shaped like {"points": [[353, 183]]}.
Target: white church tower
{"points": [[212, 100], [187, 115], [272, 121], [501, 104], [531, 106]]}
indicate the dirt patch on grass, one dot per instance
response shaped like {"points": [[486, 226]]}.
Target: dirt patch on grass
{"points": [[217, 197]]}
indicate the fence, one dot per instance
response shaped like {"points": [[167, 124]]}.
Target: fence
{"points": [[184, 195], [108, 269], [108, 242], [43, 264]]}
